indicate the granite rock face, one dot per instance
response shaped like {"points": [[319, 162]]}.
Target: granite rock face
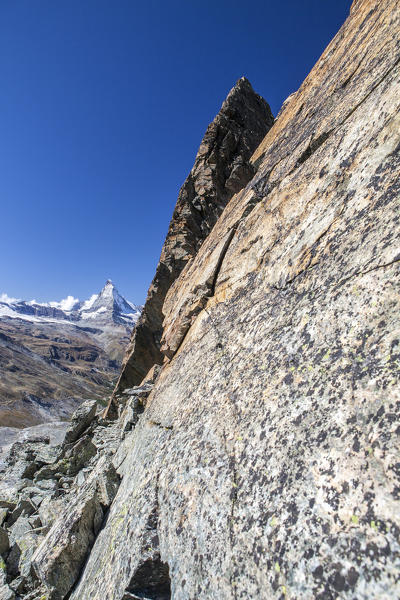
{"points": [[222, 167], [262, 459], [267, 454]]}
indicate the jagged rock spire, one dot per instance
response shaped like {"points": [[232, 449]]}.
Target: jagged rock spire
{"points": [[220, 170]]}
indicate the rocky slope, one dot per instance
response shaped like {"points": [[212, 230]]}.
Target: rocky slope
{"points": [[54, 355], [261, 460]]}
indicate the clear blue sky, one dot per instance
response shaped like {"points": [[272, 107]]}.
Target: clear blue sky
{"points": [[103, 105]]}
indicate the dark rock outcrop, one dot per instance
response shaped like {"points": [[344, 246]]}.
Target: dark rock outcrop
{"points": [[222, 168]]}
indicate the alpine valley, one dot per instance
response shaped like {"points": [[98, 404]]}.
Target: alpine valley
{"points": [[54, 355]]}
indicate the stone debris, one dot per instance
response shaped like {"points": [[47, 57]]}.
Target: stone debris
{"points": [[61, 501], [60, 497], [61, 555]]}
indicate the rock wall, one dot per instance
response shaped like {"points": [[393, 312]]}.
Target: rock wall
{"points": [[221, 169], [262, 459], [267, 451]]}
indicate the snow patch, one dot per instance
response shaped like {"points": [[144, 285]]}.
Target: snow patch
{"points": [[68, 304], [8, 299], [89, 303], [94, 313], [7, 311]]}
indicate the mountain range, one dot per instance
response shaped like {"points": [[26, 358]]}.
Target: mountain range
{"points": [[53, 355]]}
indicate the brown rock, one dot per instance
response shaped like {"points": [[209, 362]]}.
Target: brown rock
{"points": [[220, 170]]}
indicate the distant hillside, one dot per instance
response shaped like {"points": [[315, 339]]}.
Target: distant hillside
{"points": [[53, 355]]}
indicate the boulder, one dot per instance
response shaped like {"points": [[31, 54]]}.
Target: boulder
{"points": [[80, 420], [25, 507]]}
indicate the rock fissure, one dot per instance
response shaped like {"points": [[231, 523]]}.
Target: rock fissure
{"points": [[313, 147], [202, 295], [366, 271], [161, 425], [220, 261], [350, 77]]}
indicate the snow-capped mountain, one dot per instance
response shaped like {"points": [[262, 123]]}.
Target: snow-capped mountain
{"points": [[109, 302], [55, 354], [107, 306]]}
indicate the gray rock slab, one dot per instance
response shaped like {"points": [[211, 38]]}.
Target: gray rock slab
{"points": [[60, 557], [80, 420]]}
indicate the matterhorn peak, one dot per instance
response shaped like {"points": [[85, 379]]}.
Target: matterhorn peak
{"points": [[108, 287], [110, 304], [106, 307]]}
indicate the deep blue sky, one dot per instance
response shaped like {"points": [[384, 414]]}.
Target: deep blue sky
{"points": [[103, 105]]}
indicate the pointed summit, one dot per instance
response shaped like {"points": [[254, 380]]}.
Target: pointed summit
{"points": [[108, 289], [241, 87], [110, 305], [243, 93]]}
